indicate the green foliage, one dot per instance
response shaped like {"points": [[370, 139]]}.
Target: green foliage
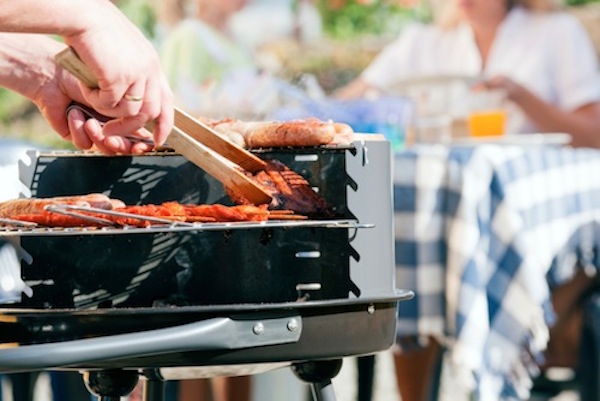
{"points": [[20, 119], [11, 105], [580, 2], [141, 13], [355, 18]]}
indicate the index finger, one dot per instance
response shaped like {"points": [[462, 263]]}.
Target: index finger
{"points": [[165, 120], [163, 127]]}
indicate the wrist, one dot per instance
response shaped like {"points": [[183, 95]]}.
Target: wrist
{"points": [[92, 15], [517, 93]]}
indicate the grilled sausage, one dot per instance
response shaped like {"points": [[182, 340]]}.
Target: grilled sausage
{"points": [[261, 134], [28, 206], [292, 133]]}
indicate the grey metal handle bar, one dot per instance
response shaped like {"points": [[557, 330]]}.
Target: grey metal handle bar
{"points": [[210, 334]]}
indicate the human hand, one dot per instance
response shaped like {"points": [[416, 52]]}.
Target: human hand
{"points": [[53, 97], [512, 90], [87, 125], [132, 88]]}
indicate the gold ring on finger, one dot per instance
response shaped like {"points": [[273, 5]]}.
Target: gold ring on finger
{"points": [[133, 98]]}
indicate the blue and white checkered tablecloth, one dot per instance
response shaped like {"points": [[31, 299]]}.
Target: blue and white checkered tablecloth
{"points": [[482, 234]]}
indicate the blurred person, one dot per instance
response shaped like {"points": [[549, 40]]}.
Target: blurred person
{"points": [[132, 88], [208, 69], [297, 20], [213, 73], [168, 14], [541, 57], [545, 62], [234, 388]]}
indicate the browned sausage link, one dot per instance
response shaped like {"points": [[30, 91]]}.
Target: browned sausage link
{"points": [[49, 219], [257, 134], [36, 205], [292, 133]]}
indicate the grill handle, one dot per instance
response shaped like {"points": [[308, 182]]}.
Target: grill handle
{"points": [[211, 334]]}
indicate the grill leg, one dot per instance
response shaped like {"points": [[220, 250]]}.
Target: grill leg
{"points": [[154, 390], [366, 377], [318, 375], [323, 391]]}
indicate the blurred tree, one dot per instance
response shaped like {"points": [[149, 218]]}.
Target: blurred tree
{"points": [[141, 13], [351, 18], [12, 105], [580, 2]]}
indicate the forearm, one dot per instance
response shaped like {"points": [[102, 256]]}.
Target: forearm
{"points": [[58, 17], [26, 54], [355, 89], [582, 124], [26, 62]]}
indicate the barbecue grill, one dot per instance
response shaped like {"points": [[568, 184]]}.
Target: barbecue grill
{"points": [[179, 301]]}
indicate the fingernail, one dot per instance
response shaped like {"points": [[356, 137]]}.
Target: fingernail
{"points": [[112, 141], [76, 114], [94, 124], [116, 144], [94, 128]]}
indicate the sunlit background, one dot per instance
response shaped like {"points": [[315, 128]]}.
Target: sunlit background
{"points": [[330, 41]]}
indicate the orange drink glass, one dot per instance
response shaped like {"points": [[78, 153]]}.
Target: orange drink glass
{"points": [[487, 122], [487, 116]]}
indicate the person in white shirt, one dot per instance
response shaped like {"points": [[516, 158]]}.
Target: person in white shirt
{"points": [[542, 57], [545, 62]]}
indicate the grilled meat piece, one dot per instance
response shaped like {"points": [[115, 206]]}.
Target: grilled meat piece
{"points": [[27, 206], [289, 190], [50, 219], [266, 134], [198, 213], [169, 210]]}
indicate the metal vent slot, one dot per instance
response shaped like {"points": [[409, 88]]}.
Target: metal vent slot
{"points": [[306, 158], [308, 287], [308, 255], [304, 289]]}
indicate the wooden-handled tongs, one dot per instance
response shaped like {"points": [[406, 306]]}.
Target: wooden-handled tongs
{"points": [[196, 141]]}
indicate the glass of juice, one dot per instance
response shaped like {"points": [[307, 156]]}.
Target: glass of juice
{"points": [[487, 115]]}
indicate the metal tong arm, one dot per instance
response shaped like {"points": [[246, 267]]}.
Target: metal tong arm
{"points": [[210, 334]]}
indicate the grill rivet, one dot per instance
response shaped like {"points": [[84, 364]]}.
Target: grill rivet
{"points": [[292, 325], [258, 329], [371, 309]]}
